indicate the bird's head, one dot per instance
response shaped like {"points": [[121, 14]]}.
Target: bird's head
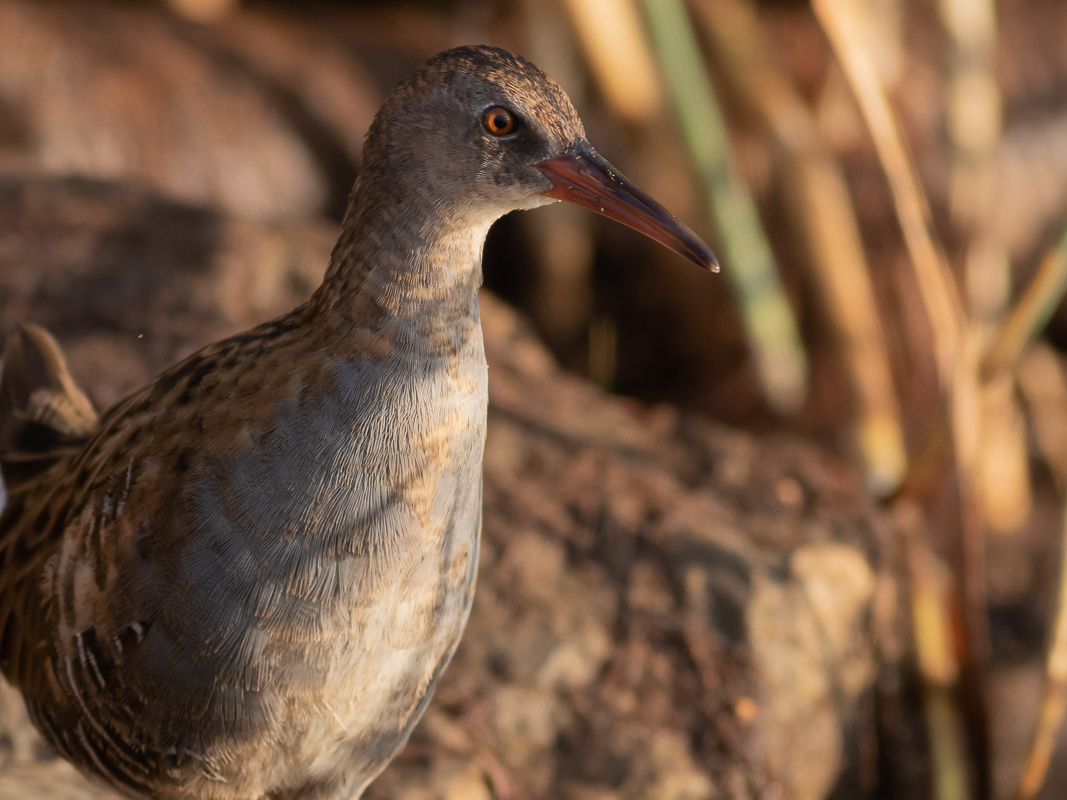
{"points": [[478, 132]]}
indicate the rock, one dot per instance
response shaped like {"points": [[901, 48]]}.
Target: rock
{"points": [[470, 784], [262, 115], [663, 769], [130, 281]]}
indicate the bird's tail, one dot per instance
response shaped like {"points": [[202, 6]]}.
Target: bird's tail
{"points": [[43, 414]]}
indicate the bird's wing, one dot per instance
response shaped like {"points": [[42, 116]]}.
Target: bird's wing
{"points": [[116, 559], [93, 553], [44, 418]]}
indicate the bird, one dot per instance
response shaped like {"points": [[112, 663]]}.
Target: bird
{"points": [[244, 580]]}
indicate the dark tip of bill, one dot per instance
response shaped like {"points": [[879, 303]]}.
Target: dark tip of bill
{"points": [[701, 255]]}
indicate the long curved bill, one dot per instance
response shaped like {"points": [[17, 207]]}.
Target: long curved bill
{"points": [[585, 178]]}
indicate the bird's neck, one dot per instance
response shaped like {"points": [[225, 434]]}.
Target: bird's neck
{"points": [[402, 267]]}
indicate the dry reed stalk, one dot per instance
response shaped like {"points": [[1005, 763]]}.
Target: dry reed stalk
{"points": [[847, 27], [203, 11], [1031, 312], [1054, 702], [965, 418], [847, 292], [1002, 468], [887, 48], [932, 622], [560, 240], [974, 130], [1041, 372], [957, 347], [1043, 385], [830, 227], [956, 350], [613, 40], [748, 260], [1012, 344], [734, 28]]}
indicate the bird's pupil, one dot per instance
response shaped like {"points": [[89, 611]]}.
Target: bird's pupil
{"points": [[498, 121]]}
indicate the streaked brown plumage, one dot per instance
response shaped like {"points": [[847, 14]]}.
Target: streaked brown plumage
{"points": [[244, 580]]}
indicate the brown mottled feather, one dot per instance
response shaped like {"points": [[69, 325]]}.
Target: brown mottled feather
{"points": [[44, 417]]}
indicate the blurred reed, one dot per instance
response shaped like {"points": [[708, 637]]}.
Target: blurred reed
{"points": [[747, 257], [560, 237], [1042, 379], [1054, 702], [1044, 389], [957, 351], [613, 39], [1030, 313], [978, 356], [825, 213], [974, 130], [848, 27], [203, 10], [932, 623]]}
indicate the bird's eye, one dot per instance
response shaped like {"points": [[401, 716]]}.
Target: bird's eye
{"points": [[499, 121]]}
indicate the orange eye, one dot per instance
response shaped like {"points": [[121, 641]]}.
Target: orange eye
{"points": [[499, 121]]}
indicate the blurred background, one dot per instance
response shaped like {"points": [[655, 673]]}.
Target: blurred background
{"points": [[884, 182]]}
